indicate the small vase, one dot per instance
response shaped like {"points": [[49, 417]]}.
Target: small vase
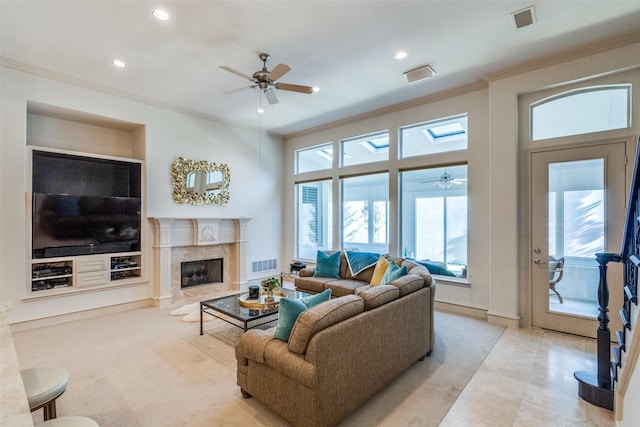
{"points": [[269, 297]]}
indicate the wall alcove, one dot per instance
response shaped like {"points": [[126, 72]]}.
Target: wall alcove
{"points": [[86, 201]]}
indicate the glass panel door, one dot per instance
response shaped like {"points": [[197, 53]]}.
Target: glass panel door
{"points": [[577, 210]]}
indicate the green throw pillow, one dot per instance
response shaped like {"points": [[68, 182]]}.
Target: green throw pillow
{"points": [[316, 299], [393, 272], [288, 313], [327, 265]]}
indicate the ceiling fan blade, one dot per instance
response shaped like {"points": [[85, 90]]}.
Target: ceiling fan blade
{"points": [[242, 89], [295, 88], [236, 72], [271, 96], [279, 71]]}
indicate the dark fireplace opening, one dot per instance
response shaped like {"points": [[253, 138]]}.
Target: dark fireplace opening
{"points": [[195, 273]]}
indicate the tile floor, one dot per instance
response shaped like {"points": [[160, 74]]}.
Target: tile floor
{"points": [[527, 380]]}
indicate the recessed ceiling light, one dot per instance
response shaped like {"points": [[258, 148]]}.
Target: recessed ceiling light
{"points": [[260, 110], [316, 89], [119, 63], [160, 14], [401, 55]]}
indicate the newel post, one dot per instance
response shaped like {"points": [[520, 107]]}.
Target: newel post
{"points": [[598, 389]]}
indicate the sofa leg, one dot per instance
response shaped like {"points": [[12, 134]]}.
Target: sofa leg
{"points": [[245, 394], [425, 356]]}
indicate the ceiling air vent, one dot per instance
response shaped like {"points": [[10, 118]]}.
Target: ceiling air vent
{"points": [[524, 17], [420, 73]]}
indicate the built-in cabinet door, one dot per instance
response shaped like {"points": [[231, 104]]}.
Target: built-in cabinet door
{"points": [[578, 202]]}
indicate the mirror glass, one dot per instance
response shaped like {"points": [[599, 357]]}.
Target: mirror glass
{"points": [[199, 182]]}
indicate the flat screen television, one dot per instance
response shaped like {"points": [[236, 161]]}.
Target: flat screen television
{"points": [[68, 225]]}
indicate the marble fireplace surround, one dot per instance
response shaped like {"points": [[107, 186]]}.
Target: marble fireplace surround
{"points": [[191, 239]]}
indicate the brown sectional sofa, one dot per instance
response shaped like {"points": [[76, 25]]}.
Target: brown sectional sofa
{"points": [[340, 352], [347, 283]]}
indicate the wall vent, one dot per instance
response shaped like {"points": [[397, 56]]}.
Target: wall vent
{"points": [[524, 17], [264, 265]]}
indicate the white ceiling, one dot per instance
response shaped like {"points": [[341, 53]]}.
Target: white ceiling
{"points": [[346, 48]]}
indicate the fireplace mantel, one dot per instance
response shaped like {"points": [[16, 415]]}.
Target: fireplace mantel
{"points": [[172, 233]]}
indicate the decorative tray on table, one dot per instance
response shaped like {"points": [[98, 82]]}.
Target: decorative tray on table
{"points": [[261, 303]]}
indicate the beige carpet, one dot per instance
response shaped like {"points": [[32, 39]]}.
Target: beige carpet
{"points": [[147, 368]]}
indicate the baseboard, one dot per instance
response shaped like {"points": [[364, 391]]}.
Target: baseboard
{"points": [[478, 313], [503, 320], [79, 315]]}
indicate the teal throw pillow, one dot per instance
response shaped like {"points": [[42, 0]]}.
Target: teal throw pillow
{"points": [[316, 299], [393, 272], [327, 265], [288, 313], [434, 267], [290, 309]]}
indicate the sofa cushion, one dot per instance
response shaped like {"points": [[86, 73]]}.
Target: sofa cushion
{"points": [[321, 317], [312, 284], [408, 284], [418, 270], [375, 296], [340, 288], [327, 265], [378, 272], [393, 272]]}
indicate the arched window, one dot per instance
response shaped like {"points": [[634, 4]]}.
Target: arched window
{"points": [[581, 111]]}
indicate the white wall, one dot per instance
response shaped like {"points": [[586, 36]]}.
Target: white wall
{"points": [[497, 271], [256, 182]]}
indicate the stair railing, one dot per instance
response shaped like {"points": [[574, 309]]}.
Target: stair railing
{"points": [[598, 388]]}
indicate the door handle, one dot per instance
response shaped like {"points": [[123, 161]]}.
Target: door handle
{"points": [[539, 262], [537, 250]]}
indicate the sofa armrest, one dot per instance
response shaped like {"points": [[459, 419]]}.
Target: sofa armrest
{"points": [[307, 272], [253, 344]]}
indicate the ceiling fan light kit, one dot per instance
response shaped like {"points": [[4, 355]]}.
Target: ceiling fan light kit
{"points": [[267, 80], [420, 73]]}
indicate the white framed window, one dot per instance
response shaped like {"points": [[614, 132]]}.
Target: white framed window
{"points": [[315, 158], [437, 136], [365, 213], [435, 217], [580, 111], [365, 149], [314, 218]]}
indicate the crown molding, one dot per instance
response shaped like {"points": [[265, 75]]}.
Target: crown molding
{"points": [[446, 94], [565, 56], [86, 84]]}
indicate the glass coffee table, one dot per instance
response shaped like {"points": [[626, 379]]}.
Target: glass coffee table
{"points": [[231, 311]]}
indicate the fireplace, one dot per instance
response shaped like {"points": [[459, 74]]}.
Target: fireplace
{"points": [[200, 272], [179, 240]]}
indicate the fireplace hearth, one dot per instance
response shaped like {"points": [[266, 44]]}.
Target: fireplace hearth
{"points": [[200, 272]]}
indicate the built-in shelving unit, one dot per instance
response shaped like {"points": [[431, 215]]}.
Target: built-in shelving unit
{"points": [[86, 202], [52, 274], [125, 267], [67, 274]]}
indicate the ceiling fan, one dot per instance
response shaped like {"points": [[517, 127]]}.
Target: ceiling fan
{"points": [[445, 181], [267, 80]]}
